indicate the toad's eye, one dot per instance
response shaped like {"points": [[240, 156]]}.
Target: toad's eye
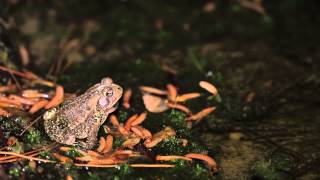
{"points": [[109, 93]]}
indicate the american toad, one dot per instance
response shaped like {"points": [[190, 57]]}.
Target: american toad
{"points": [[77, 121]]}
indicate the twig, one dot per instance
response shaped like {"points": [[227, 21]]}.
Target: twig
{"points": [[26, 157], [33, 122], [16, 81], [30, 153], [14, 72], [131, 165]]}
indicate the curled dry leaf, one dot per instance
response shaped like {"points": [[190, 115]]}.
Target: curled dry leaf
{"points": [[154, 104], [137, 131], [128, 123], [103, 161], [37, 106], [126, 98], [22, 100], [4, 113], [24, 54], [122, 130], [131, 142], [31, 93], [6, 100], [201, 114], [93, 154], [185, 97], [114, 120], [57, 99], [108, 147], [85, 158], [172, 92], [160, 136], [146, 134], [152, 90], [62, 158], [179, 107], [209, 87], [139, 119], [5, 104], [170, 158], [69, 177], [210, 161], [102, 144]]}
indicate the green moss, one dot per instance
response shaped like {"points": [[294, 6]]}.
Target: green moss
{"points": [[45, 155], [15, 171], [117, 142], [73, 153], [8, 125], [93, 176], [170, 146], [122, 116], [124, 171], [18, 147], [33, 136], [265, 170]]}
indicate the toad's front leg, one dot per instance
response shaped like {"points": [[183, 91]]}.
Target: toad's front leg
{"points": [[91, 139]]}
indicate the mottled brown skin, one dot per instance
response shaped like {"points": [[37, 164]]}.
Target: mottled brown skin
{"points": [[77, 121]]}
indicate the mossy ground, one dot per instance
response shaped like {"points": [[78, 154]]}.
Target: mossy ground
{"points": [[240, 51]]}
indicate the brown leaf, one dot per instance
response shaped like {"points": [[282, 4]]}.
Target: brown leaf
{"points": [[154, 104]]}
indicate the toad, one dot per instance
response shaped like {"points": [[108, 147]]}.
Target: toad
{"points": [[77, 121]]}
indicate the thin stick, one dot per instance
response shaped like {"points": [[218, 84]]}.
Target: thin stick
{"points": [[33, 122], [13, 72], [30, 153], [3, 148], [16, 81], [15, 158], [153, 165], [26, 157], [131, 165]]}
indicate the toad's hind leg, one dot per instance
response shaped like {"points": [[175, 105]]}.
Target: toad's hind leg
{"points": [[91, 139]]}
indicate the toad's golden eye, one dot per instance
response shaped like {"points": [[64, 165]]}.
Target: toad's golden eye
{"points": [[109, 93]]}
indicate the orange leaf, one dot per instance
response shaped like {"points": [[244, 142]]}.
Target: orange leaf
{"points": [[209, 87], [62, 158], [4, 113], [179, 107], [211, 162], [154, 104], [187, 96], [201, 114], [139, 119], [170, 158], [128, 123], [153, 90], [114, 120], [172, 92], [108, 146], [126, 98], [57, 99], [37, 106], [102, 144]]}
